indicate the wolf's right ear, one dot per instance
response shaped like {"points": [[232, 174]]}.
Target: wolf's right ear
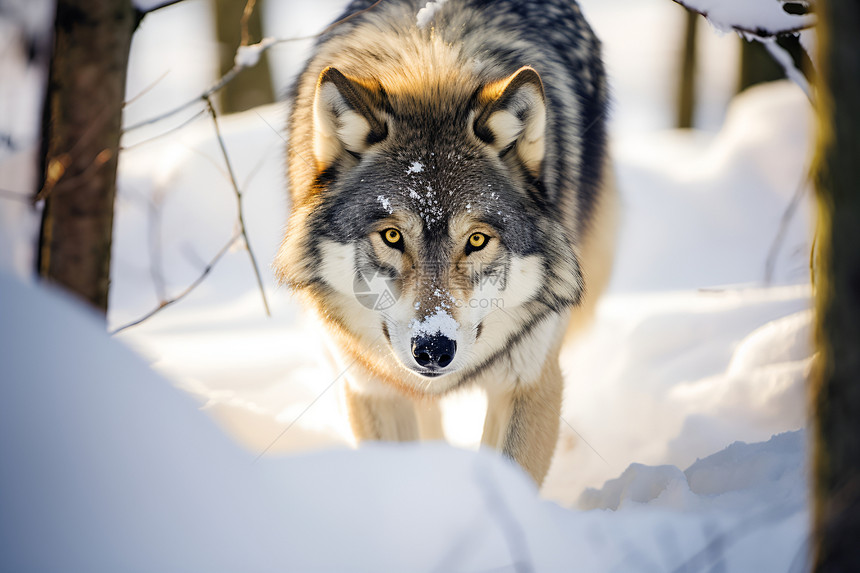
{"points": [[344, 117]]}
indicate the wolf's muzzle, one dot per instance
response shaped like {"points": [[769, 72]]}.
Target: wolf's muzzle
{"points": [[433, 352]]}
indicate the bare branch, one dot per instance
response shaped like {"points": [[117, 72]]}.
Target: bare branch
{"points": [[168, 132], [240, 214], [15, 196], [145, 90], [246, 15], [205, 98], [263, 46], [782, 42], [165, 303]]}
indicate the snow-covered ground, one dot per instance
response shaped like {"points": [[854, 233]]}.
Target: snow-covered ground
{"points": [[107, 467], [690, 353]]}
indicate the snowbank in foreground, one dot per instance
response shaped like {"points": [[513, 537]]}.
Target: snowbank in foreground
{"points": [[107, 467]]}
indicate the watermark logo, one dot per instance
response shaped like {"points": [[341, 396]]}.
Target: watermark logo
{"points": [[375, 290], [378, 291], [480, 303]]}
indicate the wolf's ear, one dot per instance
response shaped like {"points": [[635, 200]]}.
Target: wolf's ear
{"points": [[344, 117], [512, 114]]}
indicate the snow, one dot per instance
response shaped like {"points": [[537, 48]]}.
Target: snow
{"points": [[440, 322], [108, 467], [415, 167], [692, 362], [428, 12], [248, 56], [742, 477], [791, 70], [385, 202], [769, 16]]}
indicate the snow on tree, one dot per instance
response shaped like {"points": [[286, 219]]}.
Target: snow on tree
{"points": [[777, 24]]}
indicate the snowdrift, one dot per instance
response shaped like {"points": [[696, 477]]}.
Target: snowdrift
{"points": [[107, 467]]}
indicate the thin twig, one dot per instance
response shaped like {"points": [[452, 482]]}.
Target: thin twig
{"points": [[252, 174], [60, 183], [563, 419], [757, 32], [266, 44], [246, 16], [303, 412], [165, 303], [787, 216], [240, 214], [225, 79], [59, 165], [156, 267], [284, 139], [168, 132], [145, 90], [14, 196]]}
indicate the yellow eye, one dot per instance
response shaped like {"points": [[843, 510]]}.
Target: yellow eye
{"points": [[477, 241], [391, 236]]}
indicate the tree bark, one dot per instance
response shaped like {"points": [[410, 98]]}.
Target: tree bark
{"points": [[687, 76], [835, 389], [253, 87], [84, 111]]}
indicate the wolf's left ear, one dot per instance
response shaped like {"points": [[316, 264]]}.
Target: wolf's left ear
{"points": [[512, 114], [345, 117]]}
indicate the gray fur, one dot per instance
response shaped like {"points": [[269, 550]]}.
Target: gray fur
{"points": [[420, 91], [496, 38]]}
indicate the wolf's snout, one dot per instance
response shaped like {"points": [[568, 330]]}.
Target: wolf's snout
{"points": [[433, 351]]}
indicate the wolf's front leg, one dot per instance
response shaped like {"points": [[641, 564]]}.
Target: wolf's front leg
{"points": [[378, 417], [523, 422]]}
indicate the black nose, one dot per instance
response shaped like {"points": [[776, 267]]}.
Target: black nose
{"points": [[433, 351]]}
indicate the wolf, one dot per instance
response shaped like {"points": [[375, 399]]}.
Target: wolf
{"points": [[454, 155]]}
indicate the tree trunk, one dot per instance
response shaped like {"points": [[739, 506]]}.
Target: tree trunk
{"points": [[835, 390], [253, 87], [84, 111], [687, 76]]}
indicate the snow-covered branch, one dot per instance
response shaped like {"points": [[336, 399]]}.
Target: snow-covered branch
{"points": [[794, 59], [758, 18], [145, 7], [775, 23]]}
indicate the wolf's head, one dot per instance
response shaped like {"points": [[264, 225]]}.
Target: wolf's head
{"points": [[424, 236]]}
